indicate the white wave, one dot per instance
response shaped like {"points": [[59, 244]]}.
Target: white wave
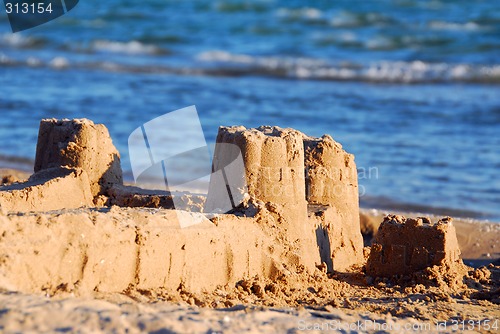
{"points": [[306, 13], [110, 66], [15, 40], [379, 43], [441, 25], [59, 63], [347, 19], [33, 62], [490, 71], [223, 56], [383, 71], [401, 71], [296, 68], [4, 59], [348, 36], [273, 63], [344, 19], [132, 47]]}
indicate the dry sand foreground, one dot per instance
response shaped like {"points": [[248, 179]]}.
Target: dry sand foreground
{"points": [[81, 252], [291, 303]]}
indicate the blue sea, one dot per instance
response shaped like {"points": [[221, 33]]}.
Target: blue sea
{"points": [[412, 88]]}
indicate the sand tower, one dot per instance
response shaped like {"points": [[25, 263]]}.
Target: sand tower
{"points": [[79, 143], [76, 161], [274, 164], [332, 191], [280, 166]]}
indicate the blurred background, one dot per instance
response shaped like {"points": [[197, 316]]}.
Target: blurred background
{"points": [[412, 88]]}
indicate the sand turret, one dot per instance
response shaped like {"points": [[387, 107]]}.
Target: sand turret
{"points": [[282, 167], [274, 164], [331, 177], [79, 143], [332, 191], [75, 162]]}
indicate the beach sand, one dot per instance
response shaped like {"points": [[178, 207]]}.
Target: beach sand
{"points": [[120, 263], [291, 303]]}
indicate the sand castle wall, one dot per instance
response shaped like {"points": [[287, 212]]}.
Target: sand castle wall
{"points": [[50, 189], [86, 251], [133, 197], [340, 243], [404, 246]]}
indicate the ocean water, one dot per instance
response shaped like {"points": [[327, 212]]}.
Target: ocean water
{"points": [[412, 88]]}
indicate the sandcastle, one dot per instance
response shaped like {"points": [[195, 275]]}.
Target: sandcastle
{"points": [[406, 245], [300, 210], [76, 162]]}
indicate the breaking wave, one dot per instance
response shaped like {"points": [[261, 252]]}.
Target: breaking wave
{"points": [[220, 63], [131, 47], [20, 41], [383, 71]]}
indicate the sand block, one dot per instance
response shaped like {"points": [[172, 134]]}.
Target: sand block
{"points": [[79, 143], [50, 189], [331, 178], [406, 245], [340, 244], [274, 163]]}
